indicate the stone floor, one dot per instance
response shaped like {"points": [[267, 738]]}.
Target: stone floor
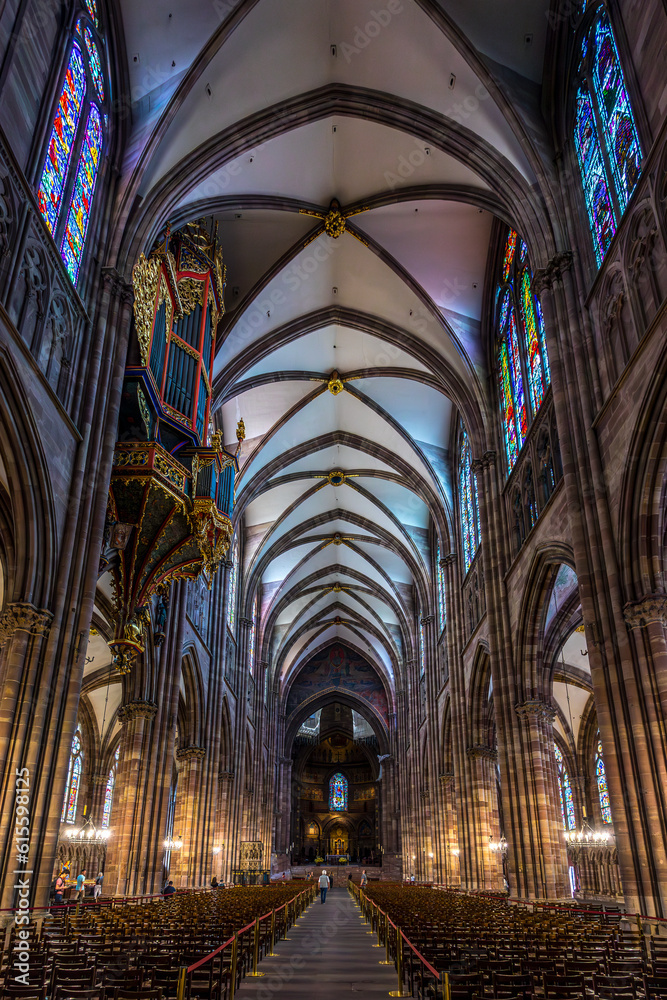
{"points": [[328, 955]]}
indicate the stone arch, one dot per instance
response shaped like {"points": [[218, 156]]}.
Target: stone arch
{"points": [[532, 679]]}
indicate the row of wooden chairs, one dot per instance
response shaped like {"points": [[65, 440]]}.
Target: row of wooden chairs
{"points": [[492, 949]]}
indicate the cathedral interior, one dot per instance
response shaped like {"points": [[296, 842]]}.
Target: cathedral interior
{"points": [[333, 423]]}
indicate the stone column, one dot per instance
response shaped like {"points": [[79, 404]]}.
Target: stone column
{"points": [[136, 718], [188, 804], [485, 817]]}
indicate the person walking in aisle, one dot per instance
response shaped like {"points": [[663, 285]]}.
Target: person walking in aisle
{"points": [[324, 885], [80, 889], [364, 879], [97, 888]]}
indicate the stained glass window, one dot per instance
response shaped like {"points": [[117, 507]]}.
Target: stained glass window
{"points": [[233, 581], [74, 236], [422, 652], [338, 792], [94, 62], [523, 363], [565, 792], [605, 135], [108, 794], [442, 606], [468, 503], [91, 7], [508, 258], [72, 160], [61, 142], [73, 781], [601, 777], [251, 640]]}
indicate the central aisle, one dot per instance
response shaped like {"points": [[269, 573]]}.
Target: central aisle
{"points": [[328, 955]]}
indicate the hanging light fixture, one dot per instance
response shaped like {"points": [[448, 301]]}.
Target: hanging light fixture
{"points": [[498, 845], [87, 834], [173, 843]]}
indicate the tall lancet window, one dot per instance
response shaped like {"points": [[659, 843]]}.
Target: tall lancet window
{"points": [[108, 793], [468, 503], [233, 584], [605, 134], [338, 792], [442, 604], [521, 351], [69, 175], [565, 790], [252, 639], [71, 799], [601, 778]]}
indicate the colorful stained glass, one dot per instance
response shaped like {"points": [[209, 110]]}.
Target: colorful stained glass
{"points": [[338, 792], [543, 340], [442, 606], [517, 378], [422, 652], [61, 142], [469, 503], [523, 252], [508, 256], [91, 7], [94, 62], [565, 790], [77, 28], [603, 791], [74, 237], [251, 640], [108, 794], [507, 405], [593, 177], [536, 381], [233, 581], [73, 781], [619, 129]]}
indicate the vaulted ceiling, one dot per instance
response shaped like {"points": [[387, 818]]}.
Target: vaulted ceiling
{"points": [[348, 358]]}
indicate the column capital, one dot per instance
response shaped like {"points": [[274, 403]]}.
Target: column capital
{"points": [[650, 610], [246, 622], [479, 752], [427, 619], [446, 777], [448, 560], [535, 706], [225, 775], [554, 271], [136, 710], [23, 617], [191, 753]]}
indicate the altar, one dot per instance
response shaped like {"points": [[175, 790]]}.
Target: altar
{"points": [[336, 859]]}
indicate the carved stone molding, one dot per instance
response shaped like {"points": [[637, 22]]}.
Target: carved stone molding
{"points": [[427, 619], [225, 775], [536, 707], [449, 559], [650, 610], [480, 752], [285, 760], [136, 710], [554, 271], [191, 753], [446, 777], [246, 622], [21, 617]]}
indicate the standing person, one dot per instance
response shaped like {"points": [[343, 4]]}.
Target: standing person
{"points": [[97, 888], [331, 881], [214, 883], [59, 890], [169, 889], [324, 885], [80, 888], [364, 879]]}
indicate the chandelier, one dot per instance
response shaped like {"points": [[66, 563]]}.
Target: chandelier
{"points": [[173, 843], [87, 834], [586, 837]]}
